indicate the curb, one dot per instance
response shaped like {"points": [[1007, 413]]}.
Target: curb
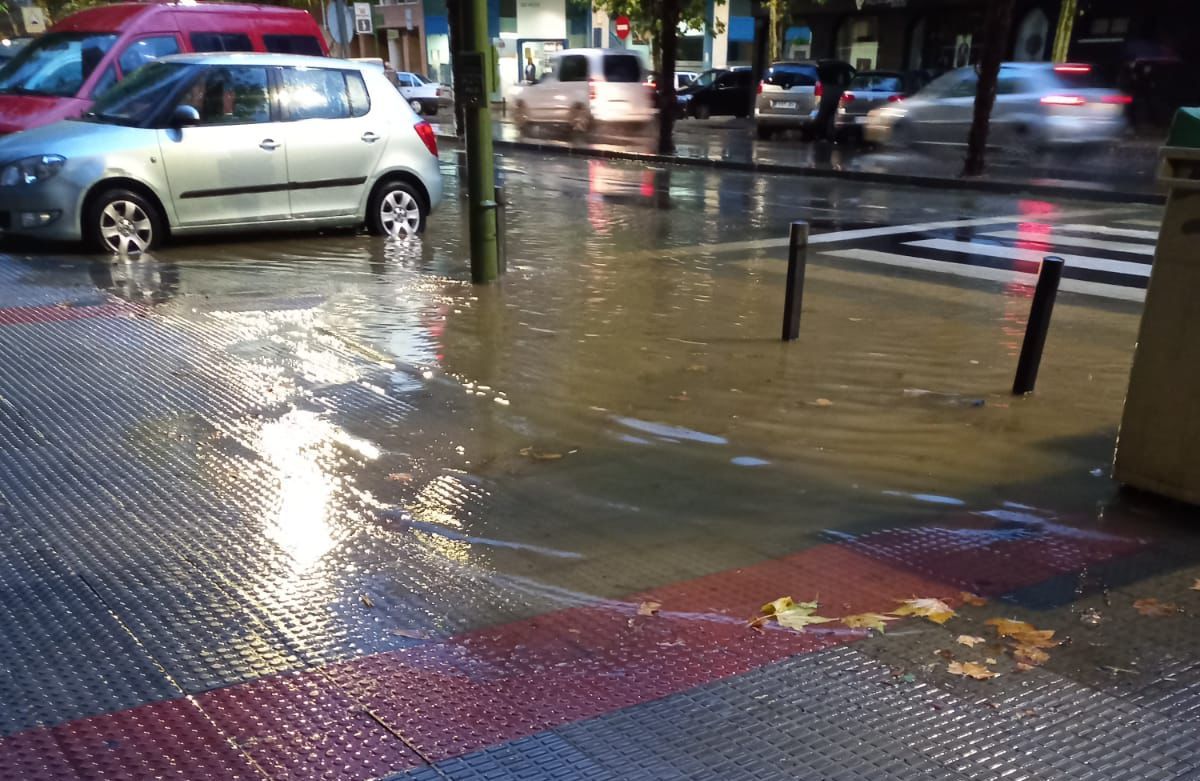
{"points": [[913, 180]]}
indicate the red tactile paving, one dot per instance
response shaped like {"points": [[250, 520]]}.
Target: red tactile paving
{"points": [[162, 740], [24, 315], [492, 685], [301, 726]]}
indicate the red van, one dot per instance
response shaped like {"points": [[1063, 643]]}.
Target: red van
{"points": [[58, 75]]}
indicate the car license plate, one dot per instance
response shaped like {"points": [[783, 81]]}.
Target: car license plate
{"points": [[861, 119], [784, 104]]}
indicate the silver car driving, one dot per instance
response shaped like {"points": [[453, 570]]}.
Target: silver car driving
{"points": [[209, 142]]}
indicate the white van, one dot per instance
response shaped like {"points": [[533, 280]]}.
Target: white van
{"points": [[586, 87]]}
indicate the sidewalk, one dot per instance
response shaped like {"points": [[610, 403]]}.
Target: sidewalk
{"points": [[316, 507], [1123, 173]]}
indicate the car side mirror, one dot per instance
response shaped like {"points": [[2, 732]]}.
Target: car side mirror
{"points": [[185, 116]]}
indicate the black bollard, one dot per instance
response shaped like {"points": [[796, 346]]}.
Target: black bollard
{"points": [[1038, 325], [501, 230], [460, 167], [797, 259]]}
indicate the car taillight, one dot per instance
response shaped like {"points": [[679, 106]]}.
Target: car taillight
{"points": [[760, 86], [1063, 100], [895, 98], [819, 91], [591, 89], [847, 97], [425, 131], [1121, 100], [1072, 67], [441, 93]]}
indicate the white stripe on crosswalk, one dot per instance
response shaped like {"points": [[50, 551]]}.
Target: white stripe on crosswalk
{"points": [[1075, 241], [1105, 230], [1033, 255], [1146, 223], [984, 272]]}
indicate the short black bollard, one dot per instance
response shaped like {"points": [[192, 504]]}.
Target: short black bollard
{"points": [[797, 260], [501, 230], [1038, 325]]}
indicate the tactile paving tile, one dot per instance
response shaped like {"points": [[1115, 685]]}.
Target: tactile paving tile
{"points": [[62, 654], [162, 740], [300, 726], [542, 756]]}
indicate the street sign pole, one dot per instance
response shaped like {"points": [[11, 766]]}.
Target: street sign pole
{"points": [[481, 174]]}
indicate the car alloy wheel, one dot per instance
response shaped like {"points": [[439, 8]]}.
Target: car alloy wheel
{"points": [[416, 106], [397, 212], [124, 223]]}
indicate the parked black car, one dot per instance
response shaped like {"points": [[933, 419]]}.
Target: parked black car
{"points": [[717, 93]]}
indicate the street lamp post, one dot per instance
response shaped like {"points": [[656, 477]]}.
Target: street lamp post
{"points": [[481, 175]]}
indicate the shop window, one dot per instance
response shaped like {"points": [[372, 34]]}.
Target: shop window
{"points": [[858, 41]]}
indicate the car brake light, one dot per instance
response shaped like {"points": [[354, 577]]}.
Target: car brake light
{"points": [[425, 131], [895, 98], [1071, 67], [1120, 100], [819, 91], [760, 86], [847, 97], [591, 89], [1063, 100]]}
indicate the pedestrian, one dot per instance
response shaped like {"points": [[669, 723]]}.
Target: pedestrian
{"points": [[530, 68]]}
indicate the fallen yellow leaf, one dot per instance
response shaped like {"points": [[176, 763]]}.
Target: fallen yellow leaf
{"points": [[538, 455], [1030, 655], [989, 660], [934, 609], [366, 600], [793, 615], [970, 670], [867, 621], [798, 619], [648, 608], [1023, 633], [822, 403], [972, 599], [1152, 607], [776, 605], [970, 641]]}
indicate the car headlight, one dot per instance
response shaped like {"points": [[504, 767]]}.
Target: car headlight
{"points": [[31, 170]]}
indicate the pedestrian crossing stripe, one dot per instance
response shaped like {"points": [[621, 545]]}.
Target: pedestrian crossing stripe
{"points": [[1034, 256], [1074, 241]]}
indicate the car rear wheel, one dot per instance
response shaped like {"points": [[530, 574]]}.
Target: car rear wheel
{"points": [[903, 136], [416, 106], [122, 222], [521, 117], [397, 211], [701, 111]]}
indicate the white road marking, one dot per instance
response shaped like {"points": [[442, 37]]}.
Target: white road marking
{"points": [[982, 272], [1033, 255], [1146, 223], [1105, 230], [1074, 241]]}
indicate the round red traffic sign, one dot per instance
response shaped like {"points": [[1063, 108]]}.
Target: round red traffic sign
{"points": [[622, 26]]}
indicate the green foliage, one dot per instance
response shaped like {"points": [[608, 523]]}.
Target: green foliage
{"points": [[645, 15]]}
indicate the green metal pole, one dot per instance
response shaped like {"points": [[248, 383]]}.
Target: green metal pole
{"points": [[481, 175]]}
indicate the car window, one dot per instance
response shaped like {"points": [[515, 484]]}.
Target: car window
{"points": [[573, 67], [942, 85], [707, 79], [788, 76], [146, 50], [293, 44], [105, 82], [360, 99], [887, 84], [230, 95], [144, 97], [835, 73], [1011, 85], [315, 93], [965, 86], [622, 68], [404, 80], [221, 42], [56, 64]]}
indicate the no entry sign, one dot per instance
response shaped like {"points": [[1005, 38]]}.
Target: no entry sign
{"points": [[622, 27]]}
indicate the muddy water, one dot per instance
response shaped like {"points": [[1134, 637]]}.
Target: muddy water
{"points": [[611, 405]]}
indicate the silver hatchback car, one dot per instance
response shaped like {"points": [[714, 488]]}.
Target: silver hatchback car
{"points": [[209, 142]]}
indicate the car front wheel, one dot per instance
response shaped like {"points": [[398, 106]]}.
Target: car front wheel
{"points": [[396, 210], [122, 222]]}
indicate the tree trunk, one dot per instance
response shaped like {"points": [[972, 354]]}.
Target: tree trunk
{"points": [[996, 24], [454, 20], [668, 40]]}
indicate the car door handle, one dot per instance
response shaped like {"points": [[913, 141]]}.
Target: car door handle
{"points": [[370, 137], [269, 144]]}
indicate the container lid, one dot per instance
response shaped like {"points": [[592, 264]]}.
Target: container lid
{"points": [[1185, 129]]}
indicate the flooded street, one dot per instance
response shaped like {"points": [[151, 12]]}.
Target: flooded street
{"points": [[313, 453]]}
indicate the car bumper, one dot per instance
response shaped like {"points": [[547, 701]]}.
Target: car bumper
{"points": [[623, 114], [767, 118], [49, 210]]}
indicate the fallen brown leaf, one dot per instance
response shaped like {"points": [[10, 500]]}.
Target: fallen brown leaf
{"points": [[403, 477], [972, 599], [1030, 655], [793, 615], [945, 653], [822, 403], [934, 609], [970, 641], [1152, 607], [366, 600], [1023, 633], [989, 660], [868, 621], [970, 670], [1021, 667], [648, 608], [1196, 584]]}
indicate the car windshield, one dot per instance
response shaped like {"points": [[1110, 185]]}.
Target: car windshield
{"points": [[144, 96], [417, 80], [882, 82], [622, 68], [57, 64], [788, 76]]}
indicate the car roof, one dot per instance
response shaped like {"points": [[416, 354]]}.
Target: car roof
{"points": [[112, 18], [258, 58]]}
